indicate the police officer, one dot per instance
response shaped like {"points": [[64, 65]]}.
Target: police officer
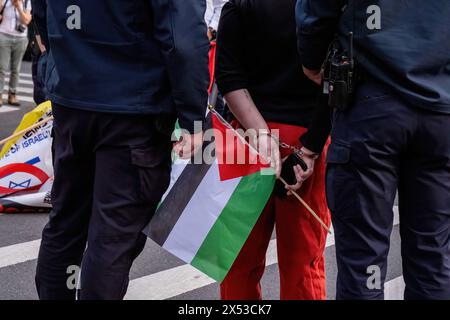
{"points": [[394, 134], [119, 73]]}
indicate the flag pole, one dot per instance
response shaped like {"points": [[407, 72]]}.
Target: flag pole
{"points": [[303, 202], [22, 132]]}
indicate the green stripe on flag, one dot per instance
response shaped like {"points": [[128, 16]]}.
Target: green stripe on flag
{"points": [[229, 233]]}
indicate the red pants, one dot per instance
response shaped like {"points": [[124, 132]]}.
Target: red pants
{"points": [[300, 240]]}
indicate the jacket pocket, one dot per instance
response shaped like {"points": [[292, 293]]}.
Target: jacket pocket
{"points": [[153, 167], [342, 181]]}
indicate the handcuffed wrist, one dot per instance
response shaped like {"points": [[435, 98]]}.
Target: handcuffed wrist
{"points": [[309, 154]]}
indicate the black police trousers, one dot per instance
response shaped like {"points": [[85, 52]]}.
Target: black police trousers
{"points": [[111, 171], [379, 146]]}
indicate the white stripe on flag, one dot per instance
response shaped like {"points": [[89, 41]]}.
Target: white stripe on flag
{"points": [[200, 214]]}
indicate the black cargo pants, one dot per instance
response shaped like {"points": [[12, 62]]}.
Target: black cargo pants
{"points": [[110, 172]]}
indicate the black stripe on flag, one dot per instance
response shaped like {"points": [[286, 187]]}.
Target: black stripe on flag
{"points": [[176, 201]]}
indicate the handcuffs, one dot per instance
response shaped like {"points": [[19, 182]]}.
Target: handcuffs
{"points": [[294, 149]]}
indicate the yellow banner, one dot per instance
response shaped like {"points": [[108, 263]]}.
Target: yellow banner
{"points": [[28, 120]]}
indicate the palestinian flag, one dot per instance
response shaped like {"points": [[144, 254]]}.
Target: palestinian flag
{"points": [[209, 210]]}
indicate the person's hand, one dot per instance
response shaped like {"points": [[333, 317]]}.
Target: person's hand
{"points": [[269, 149], [17, 4], [210, 34], [300, 174], [314, 75], [188, 145], [41, 46]]}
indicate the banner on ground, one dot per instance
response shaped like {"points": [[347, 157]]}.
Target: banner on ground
{"points": [[209, 210], [26, 169]]}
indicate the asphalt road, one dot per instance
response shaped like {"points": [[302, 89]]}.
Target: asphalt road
{"points": [[156, 274]]}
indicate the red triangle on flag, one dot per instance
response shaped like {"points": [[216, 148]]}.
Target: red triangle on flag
{"points": [[235, 157]]}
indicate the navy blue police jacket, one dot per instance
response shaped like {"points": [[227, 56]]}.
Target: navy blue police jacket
{"points": [[404, 44], [127, 56]]}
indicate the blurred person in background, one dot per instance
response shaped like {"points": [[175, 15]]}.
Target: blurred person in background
{"points": [[15, 16], [212, 16]]}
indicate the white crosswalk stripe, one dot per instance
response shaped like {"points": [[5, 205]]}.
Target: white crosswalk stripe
{"points": [[21, 75], [5, 109], [22, 90], [19, 97], [174, 281], [18, 253], [22, 81]]}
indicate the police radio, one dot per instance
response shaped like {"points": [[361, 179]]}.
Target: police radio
{"points": [[340, 81]]}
